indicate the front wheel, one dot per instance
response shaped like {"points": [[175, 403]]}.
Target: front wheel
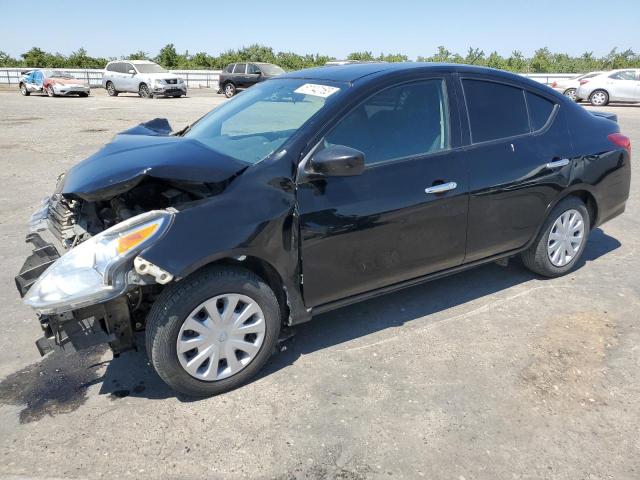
{"points": [[144, 92], [561, 241], [229, 90], [50, 91], [213, 331], [599, 98]]}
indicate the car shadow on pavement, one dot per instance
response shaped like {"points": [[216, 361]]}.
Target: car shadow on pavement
{"points": [[58, 383]]}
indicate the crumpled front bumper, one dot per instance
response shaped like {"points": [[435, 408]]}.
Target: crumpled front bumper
{"points": [[108, 322], [71, 89]]}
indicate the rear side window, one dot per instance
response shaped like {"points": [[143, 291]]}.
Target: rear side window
{"points": [[240, 68], [399, 122], [540, 110], [495, 110], [111, 67], [229, 68]]}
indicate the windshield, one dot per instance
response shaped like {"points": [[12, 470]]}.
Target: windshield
{"points": [[258, 121], [270, 69], [150, 68], [56, 74]]}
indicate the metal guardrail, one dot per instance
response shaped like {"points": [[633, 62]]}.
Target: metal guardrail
{"points": [[203, 78], [193, 78]]}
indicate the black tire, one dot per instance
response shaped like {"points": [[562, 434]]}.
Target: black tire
{"points": [[570, 93], [84, 94], [229, 89], [536, 258], [599, 98], [23, 90], [144, 92], [111, 89], [178, 300]]}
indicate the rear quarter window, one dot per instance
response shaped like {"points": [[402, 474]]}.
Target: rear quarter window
{"points": [[495, 110], [540, 109]]}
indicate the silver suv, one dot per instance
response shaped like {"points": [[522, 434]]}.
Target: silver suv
{"points": [[143, 77]]}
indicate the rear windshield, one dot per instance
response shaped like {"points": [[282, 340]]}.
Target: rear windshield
{"points": [[150, 68], [270, 69], [260, 120]]}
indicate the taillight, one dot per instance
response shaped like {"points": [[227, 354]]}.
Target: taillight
{"points": [[582, 82], [621, 141], [554, 84]]}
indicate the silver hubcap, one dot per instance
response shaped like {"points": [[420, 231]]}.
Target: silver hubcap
{"points": [[598, 98], [571, 93], [229, 90], [565, 238], [220, 337]]}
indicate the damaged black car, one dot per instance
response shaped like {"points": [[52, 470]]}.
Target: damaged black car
{"points": [[311, 191]]}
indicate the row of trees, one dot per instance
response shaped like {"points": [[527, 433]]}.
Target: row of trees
{"points": [[542, 61]]}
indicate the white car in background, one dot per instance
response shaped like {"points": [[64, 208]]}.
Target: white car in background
{"points": [[147, 79], [569, 86], [615, 86]]}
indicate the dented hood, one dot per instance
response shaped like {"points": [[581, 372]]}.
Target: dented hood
{"points": [[147, 151]]}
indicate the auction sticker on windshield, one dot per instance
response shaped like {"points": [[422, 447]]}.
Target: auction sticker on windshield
{"points": [[316, 90]]}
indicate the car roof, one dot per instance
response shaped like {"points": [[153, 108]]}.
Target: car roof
{"points": [[135, 62], [354, 72]]}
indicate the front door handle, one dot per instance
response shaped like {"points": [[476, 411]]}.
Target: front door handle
{"points": [[563, 162], [441, 188]]}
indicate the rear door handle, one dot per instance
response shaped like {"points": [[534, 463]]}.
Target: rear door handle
{"points": [[563, 162], [441, 188]]}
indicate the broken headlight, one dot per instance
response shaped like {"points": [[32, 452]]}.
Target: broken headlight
{"points": [[96, 270]]}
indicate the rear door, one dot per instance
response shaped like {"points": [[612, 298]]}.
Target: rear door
{"points": [[388, 224], [518, 157]]}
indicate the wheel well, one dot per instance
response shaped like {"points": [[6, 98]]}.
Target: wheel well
{"points": [[142, 83], [599, 90], [267, 273], [589, 200]]}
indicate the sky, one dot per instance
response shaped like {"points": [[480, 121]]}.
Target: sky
{"points": [[116, 28]]}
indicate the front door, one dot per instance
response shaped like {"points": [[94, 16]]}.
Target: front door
{"points": [[388, 224], [622, 85]]}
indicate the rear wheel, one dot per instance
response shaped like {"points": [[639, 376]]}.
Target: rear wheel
{"points": [[561, 241], [213, 331], [111, 89], [84, 94], [570, 93], [229, 90], [599, 98], [24, 91]]}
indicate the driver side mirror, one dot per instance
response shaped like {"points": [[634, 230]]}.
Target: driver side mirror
{"points": [[338, 161], [132, 71]]}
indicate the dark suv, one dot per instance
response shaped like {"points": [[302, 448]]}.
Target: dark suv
{"points": [[243, 75]]}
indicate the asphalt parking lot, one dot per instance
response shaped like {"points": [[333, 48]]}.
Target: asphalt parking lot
{"points": [[489, 374]]}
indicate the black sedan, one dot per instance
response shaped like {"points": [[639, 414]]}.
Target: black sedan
{"points": [[311, 191]]}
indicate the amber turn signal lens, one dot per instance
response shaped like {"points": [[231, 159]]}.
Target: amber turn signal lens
{"points": [[130, 240]]}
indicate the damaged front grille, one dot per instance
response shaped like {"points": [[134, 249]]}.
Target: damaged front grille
{"points": [[63, 216]]}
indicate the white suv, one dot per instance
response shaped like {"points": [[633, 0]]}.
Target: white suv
{"points": [[143, 77]]}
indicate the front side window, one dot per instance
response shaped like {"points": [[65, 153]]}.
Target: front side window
{"points": [[240, 68], [257, 123], [149, 68], [624, 75], [495, 110], [399, 122], [251, 68], [126, 67]]}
